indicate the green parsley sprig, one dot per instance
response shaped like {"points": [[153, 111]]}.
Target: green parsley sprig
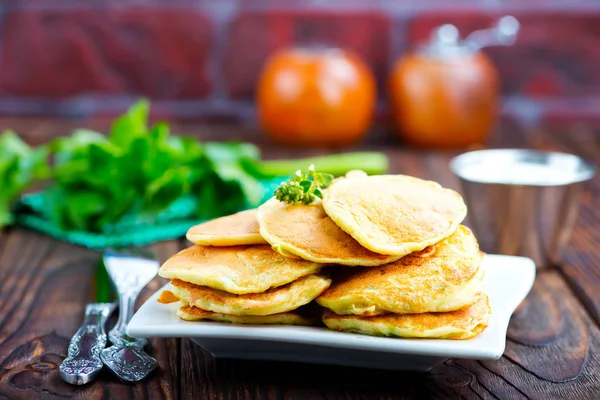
{"points": [[304, 187]]}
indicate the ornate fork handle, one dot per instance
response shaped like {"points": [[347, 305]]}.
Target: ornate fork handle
{"points": [[130, 364], [129, 270], [126, 358], [83, 361]]}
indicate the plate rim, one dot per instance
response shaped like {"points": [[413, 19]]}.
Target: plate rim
{"points": [[494, 336]]}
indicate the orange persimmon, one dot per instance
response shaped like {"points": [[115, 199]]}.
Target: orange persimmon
{"points": [[321, 97]]}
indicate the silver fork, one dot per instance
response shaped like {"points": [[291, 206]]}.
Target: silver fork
{"points": [[130, 271], [83, 363]]}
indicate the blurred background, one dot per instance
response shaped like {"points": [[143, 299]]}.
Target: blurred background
{"points": [[413, 83], [66, 63]]}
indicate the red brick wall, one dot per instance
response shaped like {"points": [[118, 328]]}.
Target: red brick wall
{"points": [[198, 58]]}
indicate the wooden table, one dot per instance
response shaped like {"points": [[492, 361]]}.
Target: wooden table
{"points": [[552, 351]]}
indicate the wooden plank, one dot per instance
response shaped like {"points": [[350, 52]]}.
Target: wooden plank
{"points": [[581, 266], [45, 286], [207, 378], [562, 361], [39, 130], [552, 352], [552, 349]]}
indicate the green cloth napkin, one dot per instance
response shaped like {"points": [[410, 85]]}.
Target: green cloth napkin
{"points": [[33, 211]]}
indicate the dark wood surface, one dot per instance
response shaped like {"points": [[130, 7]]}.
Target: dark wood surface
{"points": [[553, 342]]}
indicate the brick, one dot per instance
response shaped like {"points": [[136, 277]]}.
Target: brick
{"points": [[555, 54], [560, 120], [572, 111], [253, 36], [152, 51]]}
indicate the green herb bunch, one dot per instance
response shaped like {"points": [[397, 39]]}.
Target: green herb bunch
{"points": [[20, 167], [304, 187], [140, 170]]}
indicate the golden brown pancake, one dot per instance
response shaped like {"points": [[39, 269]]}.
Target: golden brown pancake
{"points": [[393, 214], [188, 313], [232, 230], [464, 323], [443, 277], [236, 269], [307, 232], [275, 300], [167, 297]]}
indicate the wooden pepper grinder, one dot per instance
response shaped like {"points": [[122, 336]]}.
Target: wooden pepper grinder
{"points": [[445, 93]]}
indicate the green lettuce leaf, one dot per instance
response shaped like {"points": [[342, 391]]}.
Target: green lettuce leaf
{"points": [[140, 171], [20, 166]]}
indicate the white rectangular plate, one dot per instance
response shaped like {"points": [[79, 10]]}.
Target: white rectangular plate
{"points": [[507, 281]]}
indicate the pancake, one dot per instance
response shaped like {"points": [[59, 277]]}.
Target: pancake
{"points": [[275, 300], [460, 324], [188, 313], [236, 269], [443, 277], [167, 297], [232, 230], [393, 214], [307, 232]]}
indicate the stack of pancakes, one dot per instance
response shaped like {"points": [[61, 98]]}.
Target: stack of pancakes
{"points": [[232, 275], [379, 255]]}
